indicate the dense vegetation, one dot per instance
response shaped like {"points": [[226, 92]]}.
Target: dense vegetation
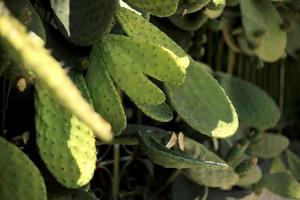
{"points": [[149, 99]]}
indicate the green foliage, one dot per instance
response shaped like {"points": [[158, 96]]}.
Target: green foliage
{"points": [[160, 8], [262, 24], [254, 107], [269, 145], [208, 177], [282, 184], [66, 145], [169, 158], [19, 176], [202, 90], [84, 22], [293, 164]]}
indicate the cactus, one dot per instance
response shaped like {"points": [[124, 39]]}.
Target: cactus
{"points": [[19, 177], [269, 146], [137, 27], [160, 8], [161, 112], [205, 176], [103, 92], [84, 22], [191, 6], [280, 183], [168, 158], [127, 60], [66, 145], [254, 106], [193, 105], [189, 22], [23, 49], [252, 176], [74, 195], [262, 22], [293, 163]]}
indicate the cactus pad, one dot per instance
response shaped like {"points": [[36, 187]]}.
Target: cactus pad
{"points": [[105, 96], [262, 24], [168, 158], [84, 22], [72, 195], [160, 8], [293, 163], [19, 178], [202, 103], [205, 176], [254, 106], [66, 145], [136, 26], [253, 175], [269, 145], [127, 60], [161, 112], [281, 183], [24, 50]]}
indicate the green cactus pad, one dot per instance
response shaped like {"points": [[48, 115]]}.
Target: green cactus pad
{"points": [[127, 59], [262, 24], [169, 158], [191, 6], [105, 96], [205, 176], [161, 112], [84, 22], [25, 13], [293, 163], [202, 103], [280, 183], [160, 8], [24, 50], [254, 106], [66, 145], [253, 175], [136, 26], [19, 178], [277, 166], [269, 145], [189, 22]]}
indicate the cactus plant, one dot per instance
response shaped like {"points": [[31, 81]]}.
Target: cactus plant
{"points": [[18, 184]]}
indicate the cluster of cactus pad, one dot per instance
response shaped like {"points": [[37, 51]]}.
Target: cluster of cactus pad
{"points": [[128, 56]]}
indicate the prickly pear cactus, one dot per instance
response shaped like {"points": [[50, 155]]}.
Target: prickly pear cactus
{"points": [[23, 49], [263, 28], [72, 195], [254, 106], [19, 177], [128, 60], [199, 96], [105, 96], [136, 26], [169, 158], [66, 145], [204, 176], [269, 145], [161, 112], [253, 175], [293, 163], [84, 22], [160, 8]]}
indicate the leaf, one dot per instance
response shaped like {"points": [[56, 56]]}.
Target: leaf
{"points": [[277, 165], [25, 49], [269, 145], [206, 176], [25, 13], [201, 102], [254, 106], [105, 96], [280, 183], [136, 26], [19, 176], [161, 112], [128, 61], [253, 175], [66, 145], [84, 22], [156, 7], [262, 24], [169, 158], [293, 163]]}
